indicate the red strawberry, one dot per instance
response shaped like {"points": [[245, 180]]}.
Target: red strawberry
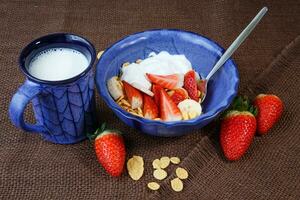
{"points": [[168, 109], [237, 132], [134, 96], [270, 109], [177, 95], [190, 84], [150, 109], [238, 128], [110, 150], [155, 90], [167, 81]]}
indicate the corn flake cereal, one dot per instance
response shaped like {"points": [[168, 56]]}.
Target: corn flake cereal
{"points": [[164, 162], [175, 160], [156, 164], [177, 185], [125, 64], [181, 173], [160, 174], [135, 167], [138, 61], [153, 186]]}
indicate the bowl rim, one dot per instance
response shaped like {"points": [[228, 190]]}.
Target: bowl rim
{"points": [[209, 115]]}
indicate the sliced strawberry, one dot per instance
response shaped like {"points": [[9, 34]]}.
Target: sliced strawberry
{"points": [[150, 109], [168, 109], [134, 96], [177, 95], [190, 84], [167, 81], [155, 90]]}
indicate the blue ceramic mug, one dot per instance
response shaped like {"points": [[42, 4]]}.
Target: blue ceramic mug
{"points": [[64, 109]]}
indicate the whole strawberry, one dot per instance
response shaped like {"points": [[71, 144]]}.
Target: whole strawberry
{"points": [[238, 128], [270, 108], [110, 150]]}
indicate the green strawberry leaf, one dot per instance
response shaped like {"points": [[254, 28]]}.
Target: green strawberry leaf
{"points": [[92, 136], [241, 103]]}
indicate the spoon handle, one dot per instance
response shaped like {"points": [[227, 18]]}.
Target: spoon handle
{"points": [[238, 41]]}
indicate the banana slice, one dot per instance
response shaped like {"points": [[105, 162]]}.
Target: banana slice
{"points": [[115, 88], [190, 109]]}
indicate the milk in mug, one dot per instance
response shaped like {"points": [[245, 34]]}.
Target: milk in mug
{"points": [[56, 64]]}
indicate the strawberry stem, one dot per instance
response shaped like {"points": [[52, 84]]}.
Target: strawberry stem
{"points": [[92, 136], [103, 126], [241, 103]]}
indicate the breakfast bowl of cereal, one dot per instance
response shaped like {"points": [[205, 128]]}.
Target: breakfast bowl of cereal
{"points": [[154, 81]]}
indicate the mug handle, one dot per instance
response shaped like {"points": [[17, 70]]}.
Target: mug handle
{"points": [[18, 104]]}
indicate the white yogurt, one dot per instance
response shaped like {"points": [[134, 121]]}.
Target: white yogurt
{"points": [[160, 64]]}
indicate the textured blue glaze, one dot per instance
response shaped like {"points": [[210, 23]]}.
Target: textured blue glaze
{"points": [[203, 54], [64, 110]]}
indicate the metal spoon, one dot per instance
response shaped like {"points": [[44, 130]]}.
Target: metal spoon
{"points": [[237, 42]]}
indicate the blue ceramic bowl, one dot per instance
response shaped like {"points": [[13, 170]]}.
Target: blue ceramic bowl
{"points": [[202, 52]]}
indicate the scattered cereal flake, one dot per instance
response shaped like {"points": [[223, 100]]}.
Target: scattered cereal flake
{"points": [[120, 98], [125, 102], [135, 167], [156, 164], [100, 54], [160, 174], [177, 185], [129, 109], [140, 111], [171, 92], [134, 113], [199, 93], [138, 61], [124, 107], [164, 162], [153, 186], [125, 64], [175, 160], [181, 173], [121, 83]]}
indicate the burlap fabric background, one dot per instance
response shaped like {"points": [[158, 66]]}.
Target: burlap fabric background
{"points": [[33, 169]]}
